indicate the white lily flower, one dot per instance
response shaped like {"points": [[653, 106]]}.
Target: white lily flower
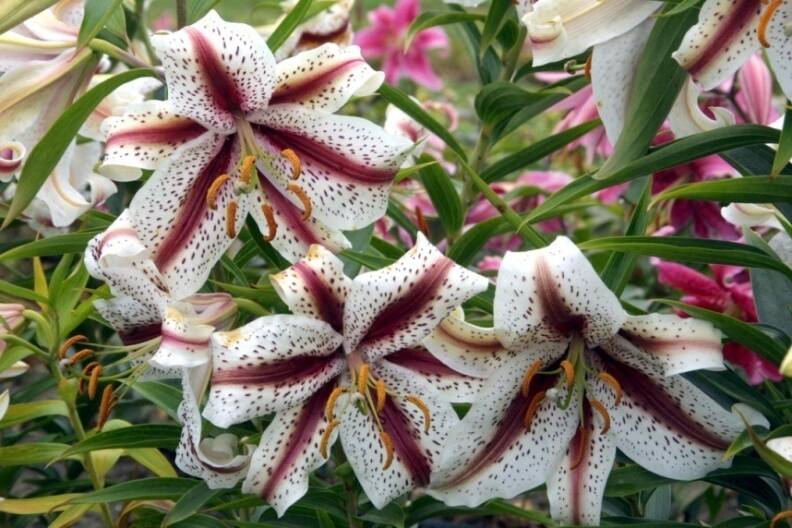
{"points": [[331, 25]]}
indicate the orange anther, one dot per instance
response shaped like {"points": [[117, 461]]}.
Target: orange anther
{"points": [[381, 395], [529, 376], [331, 401], [70, 343], [105, 406], [418, 402], [87, 368], [300, 193], [597, 405], [420, 221], [211, 193], [614, 384], [294, 159], [93, 382], [79, 356], [246, 169], [362, 379], [764, 21], [388, 444], [530, 412], [780, 517], [569, 372], [231, 211], [587, 67], [272, 225], [326, 437]]}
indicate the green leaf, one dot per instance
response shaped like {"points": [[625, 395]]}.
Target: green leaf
{"points": [[14, 12], [190, 503], [36, 505], [729, 384], [196, 9], [51, 246], [48, 151], [736, 330], [444, 196], [488, 67], [32, 453], [773, 459], [166, 397], [396, 214], [466, 247], [496, 18], [12, 355], [535, 152], [135, 436], [411, 108], [372, 262], [97, 13], [772, 290], [686, 249], [657, 81], [430, 19], [289, 23], [116, 24], [502, 99], [749, 189], [23, 412], [784, 152], [141, 489], [13, 290]]}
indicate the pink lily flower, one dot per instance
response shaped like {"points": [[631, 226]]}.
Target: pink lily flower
{"points": [[728, 292], [384, 39]]}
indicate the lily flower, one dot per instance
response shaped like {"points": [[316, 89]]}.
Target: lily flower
{"points": [[242, 134], [331, 25], [579, 379], [357, 372], [11, 319]]}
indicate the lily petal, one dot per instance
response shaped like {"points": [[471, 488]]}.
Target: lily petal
{"points": [[416, 450], [451, 385], [721, 41], [545, 295], [559, 29], [134, 321], [347, 163], [216, 70], [289, 451], [780, 42], [397, 306], [270, 364], [11, 155], [686, 116], [324, 78], [185, 341], [315, 286]]}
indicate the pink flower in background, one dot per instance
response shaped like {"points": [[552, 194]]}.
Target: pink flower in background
{"points": [[728, 291], [755, 95], [384, 39]]}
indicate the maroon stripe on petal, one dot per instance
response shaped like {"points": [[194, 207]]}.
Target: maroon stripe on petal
{"points": [[729, 27], [176, 339], [421, 360], [554, 308], [307, 148], [304, 428], [416, 298], [224, 91], [174, 132], [278, 373], [314, 40], [141, 334], [647, 394], [312, 85], [669, 345], [329, 307], [290, 212], [193, 209], [405, 442], [579, 451]]}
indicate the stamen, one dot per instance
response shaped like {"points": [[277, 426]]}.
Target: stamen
{"points": [[362, 380], [388, 444], [105, 406], [529, 376], [532, 408], [231, 211], [69, 343], [381, 394], [597, 405], [326, 437], [88, 367], [584, 432], [272, 225], [93, 382], [587, 67], [780, 517], [614, 384], [79, 356], [211, 194], [306, 201], [418, 402], [246, 169], [331, 401], [764, 21], [294, 159], [569, 372], [420, 221]]}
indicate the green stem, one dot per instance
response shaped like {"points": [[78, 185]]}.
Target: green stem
{"points": [[140, 13], [111, 50]]}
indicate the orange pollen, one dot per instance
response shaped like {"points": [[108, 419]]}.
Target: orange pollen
{"points": [[418, 402], [323, 445], [603, 412], [246, 169], [381, 395], [294, 159], [569, 372], [105, 406], [362, 380], [211, 193], [70, 343], [529, 376], [587, 67], [764, 21], [584, 433], [780, 517], [300, 193], [420, 221], [388, 444], [93, 382], [272, 225], [614, 384], [79, 356], [231, 211], [331, 401], [536, 401]]}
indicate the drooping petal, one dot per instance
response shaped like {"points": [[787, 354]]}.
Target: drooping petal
{"points": [[147, 134], [347, 163], [751, 215], [324, 78], [678, 345], [11, 155], [613, 66], [64, 201], [451, 385], [686, 116], [213, 460], [397, 306], [550, 293], [576, 486], [315, 286], [289, 451], [492, 453], [416, 446], [272, 363], [185, 235], [135, 321], [185, 340], [780, 43], [724, 37], [465, 347], [559, 29], [216, 70]]}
